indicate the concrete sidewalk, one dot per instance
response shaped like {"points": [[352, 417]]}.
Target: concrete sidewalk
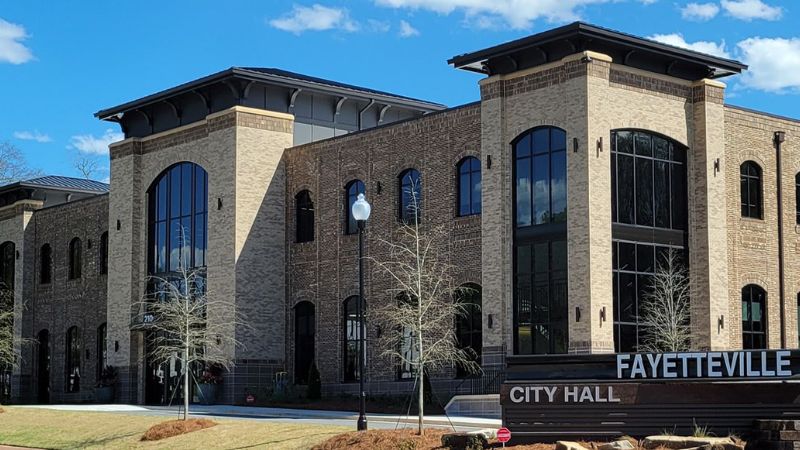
{"points": [[262, 413]]}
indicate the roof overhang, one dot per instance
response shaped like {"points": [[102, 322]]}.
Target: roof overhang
{"points": [[246, 76], [623, 48]]}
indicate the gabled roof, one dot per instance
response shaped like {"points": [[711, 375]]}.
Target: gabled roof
{"points": [[277, 77], [60, 183], [624, 48]]}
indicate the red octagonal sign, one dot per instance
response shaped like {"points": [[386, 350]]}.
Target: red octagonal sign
{"points": [[503, 435]]}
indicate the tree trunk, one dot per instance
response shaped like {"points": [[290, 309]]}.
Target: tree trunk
{"points": [[421, 372], [186, 385]]}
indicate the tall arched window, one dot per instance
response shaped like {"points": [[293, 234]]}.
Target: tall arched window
{"points": [[352, 334], [8, 257], [304, 210], [469, 327], [178, 219], [75, 259], [410, 196], [304, 336], [469, 186], [409, 348], [648, 215], [751, 187], [540, 241], [45, 264], [352, 190], [103, 253], [797, 196], [73, 360], [754, 317], [102, 345]]}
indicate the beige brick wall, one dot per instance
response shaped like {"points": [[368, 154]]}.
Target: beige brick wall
{"points": [[753, 243], [240, 149]]}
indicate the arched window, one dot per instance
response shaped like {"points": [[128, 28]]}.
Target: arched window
{"points": [[103, 256], [469, 326], [751, 187], [178, 219], [649, 216], [797, 196], [410, 197], [469, 186], [540, 241], [352, 333], [75, 259], [102, 355], [73, 360], [352, 190], [45, 264], [8, 257], [409, 348], [304, 335], [304, 209], [754, 317]]}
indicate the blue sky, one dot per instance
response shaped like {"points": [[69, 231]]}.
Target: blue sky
{"points": [[62, 61]]}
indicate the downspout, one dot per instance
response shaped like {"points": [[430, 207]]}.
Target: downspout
{"points": [[778, 139]]}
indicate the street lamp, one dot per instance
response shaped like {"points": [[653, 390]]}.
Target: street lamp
{"points": [[361, 210]]}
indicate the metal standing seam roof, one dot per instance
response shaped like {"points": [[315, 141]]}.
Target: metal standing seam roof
{"points": [[473, 61], [61, 183], [274, 76]]}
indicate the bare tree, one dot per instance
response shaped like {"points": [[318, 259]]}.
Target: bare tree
{"points": [[176, 310], [85, 165], [8, 355], [418, 325], [13, 166], [665, 307]]}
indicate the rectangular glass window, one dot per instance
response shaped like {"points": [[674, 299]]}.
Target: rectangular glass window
{"points": [[662, 194], [541, 189], [644, 191], [523, 192], [625, 189]]}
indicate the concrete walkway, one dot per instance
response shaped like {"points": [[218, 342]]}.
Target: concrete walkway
{"points": [[345, 418]]}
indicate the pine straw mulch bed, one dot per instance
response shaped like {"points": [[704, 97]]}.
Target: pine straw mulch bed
{"points": [[172, 428]]}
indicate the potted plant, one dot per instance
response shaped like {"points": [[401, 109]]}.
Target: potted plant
{"points": [[104, 390], [208, 383]]}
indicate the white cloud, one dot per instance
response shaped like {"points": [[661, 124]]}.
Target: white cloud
{"points": [[751, 9], [11, 48], [699, 11], [515, 13], [677, 40], [32, 136], [378, 26], [406, 30], [315, 18], [774, 64], [89, 144]]}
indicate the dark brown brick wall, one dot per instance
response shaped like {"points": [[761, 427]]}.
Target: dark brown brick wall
{"points": [[64, 303], [325, 271]]}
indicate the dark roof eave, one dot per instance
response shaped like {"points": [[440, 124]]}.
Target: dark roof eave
{"points": [[583, 29], [107, 114]]}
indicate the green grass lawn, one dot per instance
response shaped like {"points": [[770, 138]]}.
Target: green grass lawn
{"points": [[50, 429]]}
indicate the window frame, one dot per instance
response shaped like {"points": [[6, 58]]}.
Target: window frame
{"points": [[72, 360], [8, 264], [404, 216], [347, 339], [75, 258], [350, 224], [474, 206], [752, 181], [46, 264], [304, 217], [751, 291]]}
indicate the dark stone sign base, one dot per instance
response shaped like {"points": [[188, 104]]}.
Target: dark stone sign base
{"points": [[576, 406]]}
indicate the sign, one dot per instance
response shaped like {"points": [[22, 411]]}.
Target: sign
{"points": [[597, 396], [503, 435], [250, 398], [736, 364]]}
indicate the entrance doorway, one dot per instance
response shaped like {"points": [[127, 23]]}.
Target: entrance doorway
{"points": [[43, 373], [163, 381], [304, 330]]}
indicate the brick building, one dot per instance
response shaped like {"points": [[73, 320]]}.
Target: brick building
{"points": [[589, 155]]}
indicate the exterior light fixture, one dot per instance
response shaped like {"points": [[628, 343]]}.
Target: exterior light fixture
{"points": [[361, 210]]}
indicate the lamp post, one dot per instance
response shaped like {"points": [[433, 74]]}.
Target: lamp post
{"points": [[361, 210]]}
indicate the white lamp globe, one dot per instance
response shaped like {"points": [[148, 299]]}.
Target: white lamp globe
{"points": [[361, 208]]}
